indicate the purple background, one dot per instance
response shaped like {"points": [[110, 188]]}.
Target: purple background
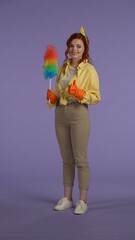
{"points": [[30, 163]]}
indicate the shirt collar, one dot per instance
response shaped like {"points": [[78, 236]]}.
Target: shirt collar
{"points": [[79, 67]]}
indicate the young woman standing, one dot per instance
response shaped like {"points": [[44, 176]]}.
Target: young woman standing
{"points": [[77, 86]]}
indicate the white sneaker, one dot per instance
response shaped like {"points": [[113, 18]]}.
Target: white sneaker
{"points": [[64, 203], [81, 207]]}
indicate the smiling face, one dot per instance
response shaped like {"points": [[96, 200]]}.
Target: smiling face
{"points": [[76, 49]]}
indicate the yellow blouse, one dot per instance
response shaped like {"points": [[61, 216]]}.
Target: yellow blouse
{"points": [[86, 78]]}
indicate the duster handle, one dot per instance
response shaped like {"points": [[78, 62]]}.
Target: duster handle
{"points": [[50, 83]]}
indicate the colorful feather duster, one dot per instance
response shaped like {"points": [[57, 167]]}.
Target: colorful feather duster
{"points": [[50, 66]]}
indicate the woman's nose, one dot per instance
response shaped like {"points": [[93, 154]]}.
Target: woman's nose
{"points": [[74, 48]]}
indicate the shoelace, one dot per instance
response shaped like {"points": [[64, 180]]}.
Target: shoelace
{"points": [[60, 202], [80, 204]]}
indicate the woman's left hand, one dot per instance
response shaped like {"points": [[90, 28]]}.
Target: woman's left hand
{"points": [[74, 90]]}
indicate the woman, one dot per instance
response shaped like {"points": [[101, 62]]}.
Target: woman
{"points": [[77, 86]]}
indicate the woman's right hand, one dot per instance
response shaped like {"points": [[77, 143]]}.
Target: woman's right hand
{"points": [[51, 96]]}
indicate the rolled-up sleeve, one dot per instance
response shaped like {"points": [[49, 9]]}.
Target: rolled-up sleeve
{"points": [[92, 89]]}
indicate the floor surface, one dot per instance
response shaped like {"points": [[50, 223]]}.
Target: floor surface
{"points": [[26, 213]]}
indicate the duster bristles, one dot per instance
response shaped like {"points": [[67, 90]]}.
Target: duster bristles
{"points": [[50, 62]]}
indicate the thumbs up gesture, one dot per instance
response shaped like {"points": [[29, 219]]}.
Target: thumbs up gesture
{"points": [[75, 91], [72, 88]]}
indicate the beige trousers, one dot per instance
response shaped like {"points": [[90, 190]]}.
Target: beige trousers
{"points": [[72, 127]]}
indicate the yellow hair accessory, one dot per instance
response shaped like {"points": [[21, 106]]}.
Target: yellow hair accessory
{"points": [[83, 33]]}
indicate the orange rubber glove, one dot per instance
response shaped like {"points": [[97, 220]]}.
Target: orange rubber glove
{"points": [[74, 90], [51, 96]]}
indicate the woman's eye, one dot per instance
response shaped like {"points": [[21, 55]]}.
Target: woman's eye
{"points": [[78, 46]]}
